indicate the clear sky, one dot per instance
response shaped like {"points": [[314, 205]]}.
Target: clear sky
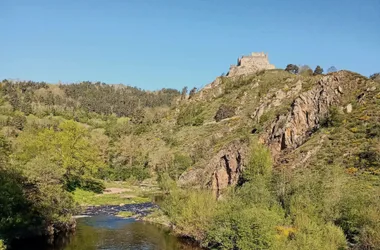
{"points": [[172, 43]]}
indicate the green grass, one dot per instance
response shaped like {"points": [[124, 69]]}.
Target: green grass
{"points": [[125, 214], [86, 198]]}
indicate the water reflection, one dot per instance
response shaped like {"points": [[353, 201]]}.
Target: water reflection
{"points": [[112, 233]]}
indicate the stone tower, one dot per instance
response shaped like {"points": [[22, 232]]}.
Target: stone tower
{"points": [[250, 64]]}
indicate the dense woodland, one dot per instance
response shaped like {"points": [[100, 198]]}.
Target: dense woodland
{"points": [[56, 139]]}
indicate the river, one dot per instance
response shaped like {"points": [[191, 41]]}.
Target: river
{"points": [[108, 232]]}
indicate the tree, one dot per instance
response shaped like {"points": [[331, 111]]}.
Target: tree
{"points": [[18, 120], [69, 151], [224, 112], [184, 93], [305, 70], [192, 92], [332, 69], [292, 68], [318, 70]]}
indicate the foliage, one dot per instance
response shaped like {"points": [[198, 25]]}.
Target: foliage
{"points": [[68, 150], [318, 70], [193, 91], [31, 201], [191, 211], [224, 112], [334, 118], [184, 93], [191, 115], [305, 70], [292, 68], [260, 163], [126, 134], [243, 228]]}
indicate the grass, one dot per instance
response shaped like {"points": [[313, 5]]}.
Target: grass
{"points": [[125, 214]]}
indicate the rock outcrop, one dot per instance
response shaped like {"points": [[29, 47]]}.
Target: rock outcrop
{"points": [[223, 170], [292, 130]]}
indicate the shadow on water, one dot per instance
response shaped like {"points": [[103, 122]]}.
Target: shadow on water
{"points": [[112, 233]]}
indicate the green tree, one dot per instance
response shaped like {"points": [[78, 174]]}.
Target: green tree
{"points": [[184, 93], [318, 70], [68, 149], [192, 92], [292, 68]]}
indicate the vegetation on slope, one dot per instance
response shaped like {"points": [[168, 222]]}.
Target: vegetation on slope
{"points": [[61, 143]]}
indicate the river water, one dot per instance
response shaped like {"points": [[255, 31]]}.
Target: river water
{"points": [[113, 233]]}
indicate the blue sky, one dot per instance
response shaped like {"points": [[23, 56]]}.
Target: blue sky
{"points": [[172, 43]]}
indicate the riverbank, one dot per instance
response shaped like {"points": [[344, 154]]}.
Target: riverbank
{"points": [[123, 199]]}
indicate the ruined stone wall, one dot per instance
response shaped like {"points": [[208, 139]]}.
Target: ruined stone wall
{"points": [[250, 64]]}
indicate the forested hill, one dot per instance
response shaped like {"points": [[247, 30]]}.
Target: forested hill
{"points": [[68, 99]]}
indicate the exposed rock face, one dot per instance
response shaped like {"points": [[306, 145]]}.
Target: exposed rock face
{"points": [[292, 130], [250, 64], [227, 166], [223, 170]]}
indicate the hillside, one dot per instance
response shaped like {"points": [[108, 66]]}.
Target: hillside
{"points": [[265, 160]]}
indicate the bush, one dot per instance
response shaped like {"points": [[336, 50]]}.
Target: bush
{"points": [[191, 211], [224, 112], [334, 118], [244, 229], [260, 163], [179, 165], [94, 185]]}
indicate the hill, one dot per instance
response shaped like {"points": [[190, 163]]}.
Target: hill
{"points": [[260, 160]]}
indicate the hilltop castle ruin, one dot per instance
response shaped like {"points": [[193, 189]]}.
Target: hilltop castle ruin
{"points": [[250, 64]]}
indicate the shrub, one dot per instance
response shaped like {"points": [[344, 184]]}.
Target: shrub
{"points": [[334, 118], [224, 112], [94, 185], [244, 229], [260, 163], [191, 211]]}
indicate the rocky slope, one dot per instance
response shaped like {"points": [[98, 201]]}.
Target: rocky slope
{"points": [[284, 112]]}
